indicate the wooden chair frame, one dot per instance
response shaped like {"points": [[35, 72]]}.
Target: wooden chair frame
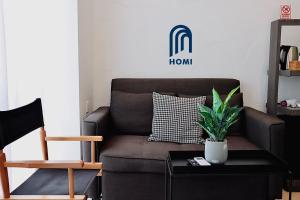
{"points": [[46, 164]]}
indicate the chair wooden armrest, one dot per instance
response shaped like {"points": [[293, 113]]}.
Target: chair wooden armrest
{"points": [[92, 139], [62, 164], [76, 138]]}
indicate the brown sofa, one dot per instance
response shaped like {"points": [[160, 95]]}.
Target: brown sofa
{"points": [[133, 167]]}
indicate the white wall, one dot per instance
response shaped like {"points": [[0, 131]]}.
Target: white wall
{"points": [[42, 60], [3, 71], [230, 39], [85, 34]]}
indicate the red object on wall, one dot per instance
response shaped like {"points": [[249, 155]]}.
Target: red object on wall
{"points": [[286, 12]]}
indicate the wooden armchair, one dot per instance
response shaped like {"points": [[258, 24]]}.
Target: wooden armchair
{"points": [[53, 179]]}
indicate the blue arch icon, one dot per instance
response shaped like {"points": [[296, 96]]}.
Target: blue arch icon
{"points": [[177, 36]]}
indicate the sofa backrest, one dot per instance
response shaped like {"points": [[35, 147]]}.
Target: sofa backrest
{"points": [[131, 99], [188, 86]]}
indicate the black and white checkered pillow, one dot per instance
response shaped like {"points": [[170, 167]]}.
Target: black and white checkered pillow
{"points": [[174, 119]]}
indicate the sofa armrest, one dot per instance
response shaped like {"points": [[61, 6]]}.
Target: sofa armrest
{"points": [[96, 123], [265, 131]]}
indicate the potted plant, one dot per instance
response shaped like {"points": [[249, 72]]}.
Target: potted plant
{"points": [[216, 122]]}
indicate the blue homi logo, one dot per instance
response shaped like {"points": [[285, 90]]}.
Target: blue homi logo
{"points": [[180, 39]]}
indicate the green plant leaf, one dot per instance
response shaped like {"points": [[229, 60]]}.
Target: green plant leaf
{"points": [[217, 101], [223, 133], [231, 123], [231, 93], [202, 108], [207, 129], [233, 113], [217, 120], [206, 116], [220, 115]]}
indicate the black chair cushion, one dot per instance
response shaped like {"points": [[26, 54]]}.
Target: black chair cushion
{"points": [[55, 182]]}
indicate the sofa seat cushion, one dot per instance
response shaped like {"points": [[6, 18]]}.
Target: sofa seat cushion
{"points": [[131, 153]]}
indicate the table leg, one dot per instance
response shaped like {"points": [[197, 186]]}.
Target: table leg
{"points": [[170, 188], [168, 183], [290, 184], [166, 180]]}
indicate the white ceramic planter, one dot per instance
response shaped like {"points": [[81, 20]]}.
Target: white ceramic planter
{"points": [[216, 152]]}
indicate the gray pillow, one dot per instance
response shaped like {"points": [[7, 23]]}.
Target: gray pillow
{"points": [[174, 119]]}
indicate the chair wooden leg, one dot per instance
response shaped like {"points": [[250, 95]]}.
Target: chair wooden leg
{"points": [[4, 176], [100, 173], [44, 143], [93, 152], [71, 182]]}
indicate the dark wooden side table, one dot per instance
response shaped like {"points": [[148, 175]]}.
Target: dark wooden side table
{"points": [[245, 175]]}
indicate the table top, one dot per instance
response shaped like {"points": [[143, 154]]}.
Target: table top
{"points": [[239, 161]]}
